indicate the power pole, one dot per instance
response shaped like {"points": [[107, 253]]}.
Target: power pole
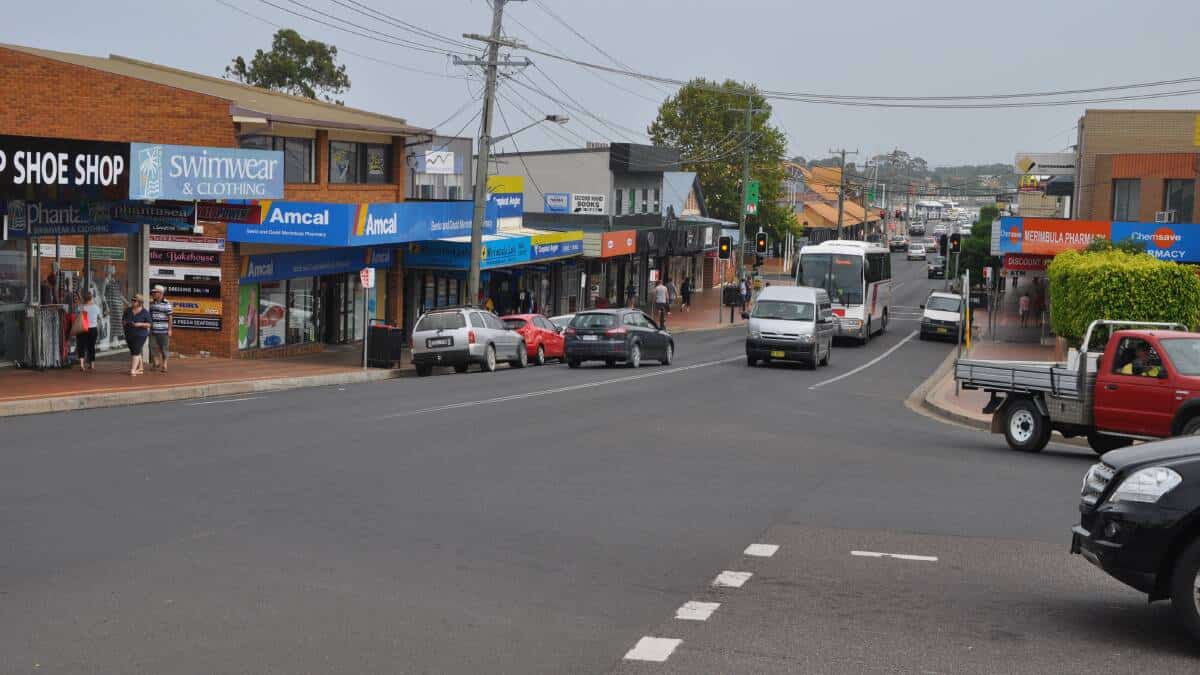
{"points": [[841, 188], [741, 247], [485, 141]]}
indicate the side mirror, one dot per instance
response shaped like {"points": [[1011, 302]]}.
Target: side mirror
{"points": [[745, 315]]}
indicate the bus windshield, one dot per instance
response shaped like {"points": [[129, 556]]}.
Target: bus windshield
{"points": [[839, 274]]}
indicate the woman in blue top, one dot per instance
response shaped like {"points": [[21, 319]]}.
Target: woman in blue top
{"points": [[137, 327]]}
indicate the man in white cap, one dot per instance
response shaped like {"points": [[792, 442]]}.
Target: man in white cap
{"points": [[160, 328]]}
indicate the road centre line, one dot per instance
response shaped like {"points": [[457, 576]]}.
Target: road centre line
{"points": [[228, 400], [559, 390], [652, 649], [693, 610], [897, 556], [761, 550], [729, 579], [868, 364]]}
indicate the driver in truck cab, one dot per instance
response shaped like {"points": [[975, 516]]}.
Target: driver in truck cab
{"points": [[1141, 363]]}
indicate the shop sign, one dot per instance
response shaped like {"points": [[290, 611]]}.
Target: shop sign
{"points": [[557, 202], [196, 322], [278, 266], [174, 273], [1016, 262], [305, 223], [202, 173], [589, 204], [439, 162], [1049, 236], [499, 252], [556, 245], [83, 166], [191, 289], [228, 213], [183, 242], [74, 251], [1173, 241], [196, 306], [623, 242], [1045, 163], [329, 224], [42, 219], [166, 256]]}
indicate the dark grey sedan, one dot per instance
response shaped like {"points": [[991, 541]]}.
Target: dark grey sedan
{"points": [[617, 335]]}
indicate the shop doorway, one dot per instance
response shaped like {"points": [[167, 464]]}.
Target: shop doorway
{"points": [[341, 306]]}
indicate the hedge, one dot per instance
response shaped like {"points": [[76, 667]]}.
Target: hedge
{"points": [[1119, 285]]}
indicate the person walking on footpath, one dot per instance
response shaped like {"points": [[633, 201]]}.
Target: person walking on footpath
{"points": [[1023, 308], [672, 294], [630, 293], [160, 328], [661, 299], [136, 320], [87, 339], [685, 295], [745, 289]]}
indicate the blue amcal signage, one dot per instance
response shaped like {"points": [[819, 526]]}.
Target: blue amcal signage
{"points": [[278, 266]]}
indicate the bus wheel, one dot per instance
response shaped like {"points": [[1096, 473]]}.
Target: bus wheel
{"points": [[866, 334]]}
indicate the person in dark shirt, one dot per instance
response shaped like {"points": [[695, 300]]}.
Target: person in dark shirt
{"points": [[137, 327]]}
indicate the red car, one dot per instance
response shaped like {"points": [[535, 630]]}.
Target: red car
{"points": [[542, 338]]}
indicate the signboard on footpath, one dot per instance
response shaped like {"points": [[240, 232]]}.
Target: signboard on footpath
{"points": [[189, 268]]}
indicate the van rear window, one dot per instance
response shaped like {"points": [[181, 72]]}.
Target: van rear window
{"points": [[441, 321]]}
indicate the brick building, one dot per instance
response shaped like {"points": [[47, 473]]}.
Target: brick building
{"points": [[1134, 165], [333, 156]]}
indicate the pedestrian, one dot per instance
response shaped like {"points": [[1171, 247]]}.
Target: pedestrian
{"points": [[136, 320], [745, 289], [685, 295], [160, 328], [661, 298], [89, 312], [630, 293], [1023, 308]]}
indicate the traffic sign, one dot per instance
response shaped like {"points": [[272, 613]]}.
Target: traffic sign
{"points": [[367, 277]]}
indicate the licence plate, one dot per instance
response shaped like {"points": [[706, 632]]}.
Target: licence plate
{"points": [[589, 338], [778, 355], [943, 330], [439, 342]]}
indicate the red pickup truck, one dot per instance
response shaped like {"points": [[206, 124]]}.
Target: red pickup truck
{"points": [[1145, 384]]}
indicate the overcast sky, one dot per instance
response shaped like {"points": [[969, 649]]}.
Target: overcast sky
{"points": [[931, 47]]}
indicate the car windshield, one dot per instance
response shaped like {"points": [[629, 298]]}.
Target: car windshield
{"points": [[441, 321], [940, 303], [1184, 354], [561, 321], [916, 247], [594, 321], [840, 275], [782, 309], [514, 324]]}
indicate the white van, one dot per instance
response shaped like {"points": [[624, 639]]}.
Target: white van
{"points": [[790, 323]]}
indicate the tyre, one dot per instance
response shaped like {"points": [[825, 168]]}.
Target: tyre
{"points": [[1185, 589], [572, 363], [866, 338], [522, 359], [424, 371], [1102, 443], [489, 360], [1191, 427], [609, 363], [540, 359], [751, 361], [461, 368], [828, 354], [668, 356], [923, 338], [883, 326], [635, 356], [1025, 428]]}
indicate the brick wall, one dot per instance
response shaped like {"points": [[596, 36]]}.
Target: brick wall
{"points": [[1153, 170]]}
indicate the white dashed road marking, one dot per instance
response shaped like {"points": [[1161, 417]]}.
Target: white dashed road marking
{"points": [[652, 649], [761, 550], [868, 364], [732, 579], [696, 611], [897, 556]]}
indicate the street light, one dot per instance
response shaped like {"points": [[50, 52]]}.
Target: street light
{"points": [[557, 119]]}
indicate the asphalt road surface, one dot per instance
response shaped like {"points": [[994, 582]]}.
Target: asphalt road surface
{"points": [[547, 520]]}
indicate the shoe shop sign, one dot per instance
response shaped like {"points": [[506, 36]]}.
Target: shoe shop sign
{"points": [[57, 168]]}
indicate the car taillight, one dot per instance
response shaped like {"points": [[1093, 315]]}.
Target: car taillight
{"points": [[470, 337], [569, 331], [616, 331]]}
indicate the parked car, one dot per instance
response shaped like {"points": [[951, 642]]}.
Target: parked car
{"points": [[460, 336], [790, 323], [543, 340], [940, 316], [898, 242], [562, 321], [916, 251], [617, 335], [1144, 385], [1139, 512], [937, 267]]}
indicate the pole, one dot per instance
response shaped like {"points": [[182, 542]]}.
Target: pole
{"points": [[741, 247], [841, 193], [485, 145], [366, 325]]}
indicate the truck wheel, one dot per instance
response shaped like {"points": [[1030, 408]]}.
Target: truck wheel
{"points": [[1102, 443], [1025, 428], [1185, 589], [1191, 427]]}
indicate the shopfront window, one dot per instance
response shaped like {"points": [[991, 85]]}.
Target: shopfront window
{"points": [[13, 295], [297, 154], [343, 162], [1126, 193], [272, 314], [1180, 196], [359, 162], [302, 311]]}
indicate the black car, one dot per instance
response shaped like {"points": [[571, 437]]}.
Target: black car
{"points": [[617, 335], [937, 267], [1140, 522]]}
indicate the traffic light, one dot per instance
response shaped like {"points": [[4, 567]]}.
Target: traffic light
{"points": [[942, 245], [724, 247], [760, 242], [758, 261], [955, 243]]}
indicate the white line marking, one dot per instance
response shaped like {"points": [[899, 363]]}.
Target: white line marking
{"points": [[228, 400], [652, 649], [732, 579], [696, 611], [897, 556], [868, 364], [560, 390], [761, 550]]}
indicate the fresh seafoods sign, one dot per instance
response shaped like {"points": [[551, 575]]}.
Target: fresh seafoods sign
{"points": [[187, 172]]}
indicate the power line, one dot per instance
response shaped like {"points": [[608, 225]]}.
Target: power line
{"points": [[376, 36], [520, 156], [400, 23], [615, 127]]}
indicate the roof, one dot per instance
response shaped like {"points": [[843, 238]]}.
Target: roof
{"points": [[830, 213], [245, 100], [677, 185]]}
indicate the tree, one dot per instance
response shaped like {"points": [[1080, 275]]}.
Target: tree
{"points": [[711, 138], [294, 66], [975, 251]]}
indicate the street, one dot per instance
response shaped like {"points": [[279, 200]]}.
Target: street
{"points": [[546, 520]]}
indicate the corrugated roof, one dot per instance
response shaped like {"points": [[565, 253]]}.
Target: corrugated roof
{"points": [[244, 99], [829, 213]]}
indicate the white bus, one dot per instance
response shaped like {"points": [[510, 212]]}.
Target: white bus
{"points": [[858, 277]]}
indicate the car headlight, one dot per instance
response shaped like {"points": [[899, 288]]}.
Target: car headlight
{"points": [[852, 323], [805, 339], [1146, 485], [755, 334]]}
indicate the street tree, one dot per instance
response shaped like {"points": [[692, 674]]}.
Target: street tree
{"points": [[702, 122], [294, 66], [975, 251]]}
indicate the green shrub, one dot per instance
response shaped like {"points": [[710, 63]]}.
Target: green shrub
{"points": [[1119, 285]]}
